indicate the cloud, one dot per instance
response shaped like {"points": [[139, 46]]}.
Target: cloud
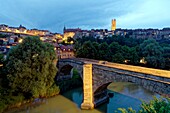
{"points": [[54, 14], [150, 14]]}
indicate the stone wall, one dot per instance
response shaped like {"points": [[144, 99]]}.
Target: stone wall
{"points": [[78, 65], [104, 74]]}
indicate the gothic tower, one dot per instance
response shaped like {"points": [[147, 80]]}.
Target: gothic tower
{"points": [[113, 27], [64, 29]]}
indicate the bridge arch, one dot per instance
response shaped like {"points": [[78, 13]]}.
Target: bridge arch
{"points": [[66, 68]]}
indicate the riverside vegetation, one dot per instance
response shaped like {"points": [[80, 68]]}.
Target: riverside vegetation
{"points": [[29, 72], [119, 49], [157, 105]]}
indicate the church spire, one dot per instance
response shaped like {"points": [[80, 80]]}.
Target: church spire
{"points": [[64, 29]]}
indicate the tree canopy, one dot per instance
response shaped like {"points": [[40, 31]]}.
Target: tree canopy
{"points": [[152, 51], [1, 58], [119, 49], [31, 67]]}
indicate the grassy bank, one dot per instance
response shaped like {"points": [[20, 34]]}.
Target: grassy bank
{"points": [[10, 100]]}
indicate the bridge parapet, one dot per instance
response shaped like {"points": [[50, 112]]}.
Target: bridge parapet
{"points": [[150, 71], [72, 61]]}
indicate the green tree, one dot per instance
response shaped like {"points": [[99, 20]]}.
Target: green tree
{"points": [[104, 51], [87, 50], [166, 55], [118, 58], [126, 52], [31, 67], [96, 46], [1, 42], [1, 58], [77, 46], [152, 52], [114, 48], [134, 57]]}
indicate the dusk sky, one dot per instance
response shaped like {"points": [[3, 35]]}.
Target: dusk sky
{"points": [[86, 14]]}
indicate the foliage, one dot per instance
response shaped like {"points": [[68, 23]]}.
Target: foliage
{"points": [[53, 90], [29, 72], [129, 110], [114, 48], [96, 46], [157, 105], [87, 50], [75, 74], [104, 51], [118, 58], [3, 36], [1, 42], [120, 48], [1, 58], [7, 99], [166, 55], [30, 67], [152, 51]]}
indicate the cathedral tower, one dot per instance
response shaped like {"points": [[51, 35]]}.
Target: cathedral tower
{"points": [[113, 27]]}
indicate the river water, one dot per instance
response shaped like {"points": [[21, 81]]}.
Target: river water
{"points": [[125, 95]]}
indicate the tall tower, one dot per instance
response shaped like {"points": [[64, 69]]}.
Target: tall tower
{"points": [[113, 27], [64, 29]]}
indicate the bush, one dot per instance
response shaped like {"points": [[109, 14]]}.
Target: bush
{"points": [[10, 101], [123, 110], [3, 105], [157, 105], [53, 90]]}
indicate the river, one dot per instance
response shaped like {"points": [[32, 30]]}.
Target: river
{"points": [[125, 95]]}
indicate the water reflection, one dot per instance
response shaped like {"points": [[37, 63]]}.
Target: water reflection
{"points": [[125, 95]]}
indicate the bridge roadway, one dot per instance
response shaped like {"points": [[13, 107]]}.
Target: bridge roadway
{"points": [[97, 75]]}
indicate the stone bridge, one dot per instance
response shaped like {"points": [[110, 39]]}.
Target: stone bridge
{"points": [[97, 75]]}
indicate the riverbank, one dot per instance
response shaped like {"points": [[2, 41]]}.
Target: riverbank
{"points": [[9, 100], [59, 88]]}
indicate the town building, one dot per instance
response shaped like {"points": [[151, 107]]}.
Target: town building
{"points": [[63, 51], [70, 33]]}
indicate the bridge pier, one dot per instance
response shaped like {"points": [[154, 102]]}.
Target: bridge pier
{"points": [[100, 98], [87, 87]]}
